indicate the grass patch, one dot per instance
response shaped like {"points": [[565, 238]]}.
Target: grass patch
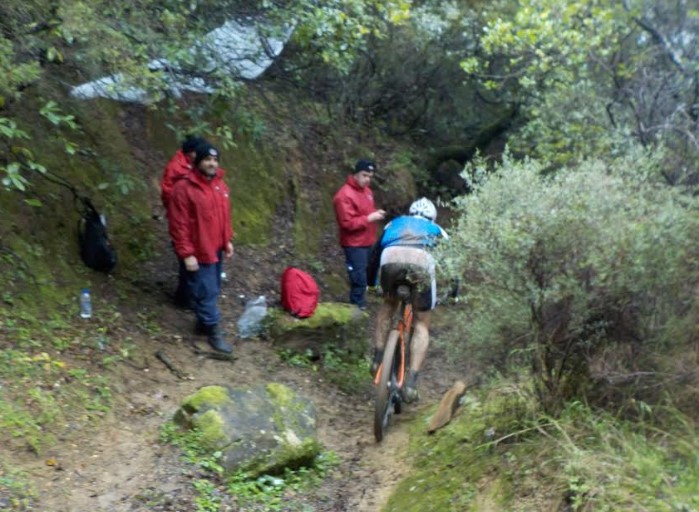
{"points": [[15, 491], [41, 393], [609, 464], [44, 384], [348, 373], [280, 492], [503, 453]]}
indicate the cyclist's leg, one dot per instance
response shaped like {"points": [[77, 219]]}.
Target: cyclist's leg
{"points": [[389, 274], [418, 350], [383, 326], [421, 339], [423, 303]]}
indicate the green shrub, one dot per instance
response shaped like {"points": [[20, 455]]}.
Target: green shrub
{"points": [[584, 275]]}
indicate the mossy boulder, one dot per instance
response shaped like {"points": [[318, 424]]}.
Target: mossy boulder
{"points": [[340, 326], [259, 430]]}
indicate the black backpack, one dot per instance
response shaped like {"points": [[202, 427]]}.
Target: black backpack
{"points": [[95, 248]]}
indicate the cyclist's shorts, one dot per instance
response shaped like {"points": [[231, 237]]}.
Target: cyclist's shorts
{"points": [[411, 266]]}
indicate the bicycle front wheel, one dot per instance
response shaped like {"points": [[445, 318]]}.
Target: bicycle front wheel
{"points": [[385, 389]]}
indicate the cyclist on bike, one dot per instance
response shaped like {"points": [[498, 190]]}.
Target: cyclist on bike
{"points": [[403, 256]]}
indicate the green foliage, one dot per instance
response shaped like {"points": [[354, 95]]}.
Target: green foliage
{"points": [[543, 42], [207, 499], [590, 76], [102, 38], [655, 469], [545, 57], [347, 373], [558, 269], [276, 493], [95, 37], [34, 413], [14, 72], [467, 465], [16, 493], [336, 31], [194, 450], [409, 82], [502, 452]]}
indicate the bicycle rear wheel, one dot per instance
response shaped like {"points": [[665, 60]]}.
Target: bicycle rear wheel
{"points": [[386, 389], [407, 337]]}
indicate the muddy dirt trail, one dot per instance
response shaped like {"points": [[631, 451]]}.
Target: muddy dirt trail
{"points": [[121, 466]]}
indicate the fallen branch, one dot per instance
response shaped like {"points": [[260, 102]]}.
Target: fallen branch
{"points": [[170, 366], [447, 407]]}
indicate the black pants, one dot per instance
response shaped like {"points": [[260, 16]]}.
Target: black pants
{"points": [[182, 296], [357, 259]]}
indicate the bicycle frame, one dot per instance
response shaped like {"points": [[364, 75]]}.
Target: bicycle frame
{"points": [[403, 326]]}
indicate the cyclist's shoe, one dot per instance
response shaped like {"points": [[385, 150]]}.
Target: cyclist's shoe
{"points": [[410, 394], [378, 357]]}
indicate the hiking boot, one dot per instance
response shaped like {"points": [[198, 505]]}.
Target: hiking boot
{"points": [[378, 357], [217, 341]]}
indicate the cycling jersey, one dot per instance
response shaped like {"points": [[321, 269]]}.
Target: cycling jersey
{"points": [[411, 231], [407, 240]]}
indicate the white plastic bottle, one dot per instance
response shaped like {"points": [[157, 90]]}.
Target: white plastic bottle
{"points": [[85, 304]]}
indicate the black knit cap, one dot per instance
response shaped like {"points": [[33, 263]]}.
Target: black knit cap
{"points": [[204, 150], [191, 142], [364, 165]]}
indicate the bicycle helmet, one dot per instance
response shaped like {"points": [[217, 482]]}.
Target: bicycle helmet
{"points": [[424, 208]]}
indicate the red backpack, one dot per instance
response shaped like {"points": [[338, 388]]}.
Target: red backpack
{"points": [[300, 293]]}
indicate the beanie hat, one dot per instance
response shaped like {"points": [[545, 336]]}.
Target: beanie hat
{"points": [[364, 165], [191, 142], [204, 150]]}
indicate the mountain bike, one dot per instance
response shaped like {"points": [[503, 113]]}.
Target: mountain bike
{"points": [[390, 375]]}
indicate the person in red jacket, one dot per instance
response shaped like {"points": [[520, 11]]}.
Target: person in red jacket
{"points": [[356, 219], [179, 166], [201, 231]]}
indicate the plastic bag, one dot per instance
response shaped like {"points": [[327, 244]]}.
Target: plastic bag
{"points": [[250, 322]]}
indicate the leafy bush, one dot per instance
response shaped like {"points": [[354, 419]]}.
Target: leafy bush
{"points": [[583, 275]]}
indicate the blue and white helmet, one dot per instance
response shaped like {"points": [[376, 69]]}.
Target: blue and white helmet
{"points": [[424, 208]]}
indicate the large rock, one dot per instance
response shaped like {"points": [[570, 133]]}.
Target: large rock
{"points": [[340, 326], [259, 430]]}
